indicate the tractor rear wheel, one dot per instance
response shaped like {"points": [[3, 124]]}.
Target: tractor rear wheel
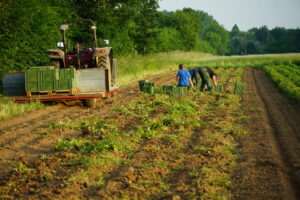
{"points": [[90, 102]]}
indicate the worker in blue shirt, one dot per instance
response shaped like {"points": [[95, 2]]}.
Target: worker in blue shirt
{"points": [[183, 77]]}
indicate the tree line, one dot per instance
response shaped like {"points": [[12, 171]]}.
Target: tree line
{"points": [[263, 40], [29, 27]]}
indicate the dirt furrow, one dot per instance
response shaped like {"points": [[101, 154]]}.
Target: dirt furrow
{"points": [[285, 121], [266, 168]]}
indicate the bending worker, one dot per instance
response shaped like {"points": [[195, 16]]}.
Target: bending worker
{"points": [[183, 77], [208, 77], [194, 75]]}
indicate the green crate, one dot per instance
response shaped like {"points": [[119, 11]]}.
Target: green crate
{"points": [[180, 91], [168, 89], [219, 88], [239, 88], [40, 80], [175, 91], [149, 89], [67, 73], [142, 83], [66, 84]]}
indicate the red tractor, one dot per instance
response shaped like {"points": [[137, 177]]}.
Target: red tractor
{"points": [[86, 74]]}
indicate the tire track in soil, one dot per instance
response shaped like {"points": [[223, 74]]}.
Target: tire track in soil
{"points": [[270, 167], [20, 140]]}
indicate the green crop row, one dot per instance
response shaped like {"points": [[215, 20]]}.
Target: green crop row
{"points": [[252, 60], [283, 79], [290, 74], [294, 69]]}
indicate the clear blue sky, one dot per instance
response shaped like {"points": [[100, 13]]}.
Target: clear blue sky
{"points": [[245, 13]]}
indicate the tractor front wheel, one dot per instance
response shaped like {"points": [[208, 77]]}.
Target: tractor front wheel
{"points": [[90, 102]]}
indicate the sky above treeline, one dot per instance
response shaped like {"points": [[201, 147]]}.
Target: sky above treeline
{"points": [[245, 13]]}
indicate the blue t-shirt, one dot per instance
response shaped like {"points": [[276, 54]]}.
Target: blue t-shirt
{"points": [[184, 76]]}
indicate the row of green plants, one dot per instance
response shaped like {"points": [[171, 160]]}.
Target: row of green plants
{"points": [[252, 60], [286, 79], [290, 72]]}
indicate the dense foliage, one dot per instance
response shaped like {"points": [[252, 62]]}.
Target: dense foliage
{"points": [[28, 28], [262, 40]]}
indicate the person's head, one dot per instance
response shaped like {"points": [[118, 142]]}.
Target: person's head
{"points": [[181, 66]]}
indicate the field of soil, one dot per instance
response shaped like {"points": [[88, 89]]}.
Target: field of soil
{"points": [[268, 165]]}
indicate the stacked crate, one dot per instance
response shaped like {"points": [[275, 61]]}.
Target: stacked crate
{"points": [[147, 87], [48, 80], [175, 91], [67, 79]]}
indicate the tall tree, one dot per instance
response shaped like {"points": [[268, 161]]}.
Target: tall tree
{"points": [[214, 34], [235, 31], [27, 29], [188, 24], [146, 32]]}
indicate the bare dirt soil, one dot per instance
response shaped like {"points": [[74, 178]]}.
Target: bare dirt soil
{"points": [[269, 166], [270, 163]]}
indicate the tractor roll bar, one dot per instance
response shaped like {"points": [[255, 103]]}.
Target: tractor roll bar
{"points": [[76, 21]]}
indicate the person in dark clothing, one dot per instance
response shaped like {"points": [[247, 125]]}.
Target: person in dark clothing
{"points": [[194, 75], [208, 77]]}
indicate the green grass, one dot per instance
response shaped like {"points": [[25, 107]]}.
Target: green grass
{"points": [[137, 67], [9, 109], [252, 60]]}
